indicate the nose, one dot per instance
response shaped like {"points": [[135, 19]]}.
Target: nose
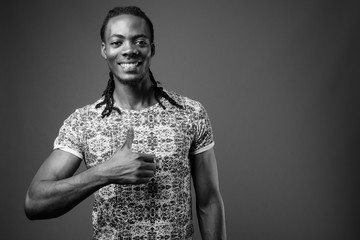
{"points": [[129, 50]]}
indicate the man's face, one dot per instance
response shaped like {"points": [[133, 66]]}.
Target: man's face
{"points": [[127, 48]]}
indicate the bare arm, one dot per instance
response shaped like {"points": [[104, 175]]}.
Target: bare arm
{"points": [[209, 203], [55, 190]]}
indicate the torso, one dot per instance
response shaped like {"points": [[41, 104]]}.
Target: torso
{"points": [[161, 208]]}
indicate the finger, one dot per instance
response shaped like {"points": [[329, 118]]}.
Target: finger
{"points": [[148, 166], [146, 174], [146, 157], [129, 138]]}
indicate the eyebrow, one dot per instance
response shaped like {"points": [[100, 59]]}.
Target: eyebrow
{"points": [[133, 37]]}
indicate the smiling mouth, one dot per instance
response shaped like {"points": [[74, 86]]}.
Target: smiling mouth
{"points": [[129, 65]]}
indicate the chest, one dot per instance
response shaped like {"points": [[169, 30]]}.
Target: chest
{"points": [[166, 135]]}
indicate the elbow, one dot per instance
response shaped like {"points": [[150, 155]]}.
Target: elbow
{"points": [[32, 208], [30, 215], [29, 208], [209, 201], [36, 209]]}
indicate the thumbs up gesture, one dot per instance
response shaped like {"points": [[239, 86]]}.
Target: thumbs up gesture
{"points": [[128, 167]]}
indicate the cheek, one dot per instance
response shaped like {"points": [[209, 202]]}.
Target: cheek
{"points": [[111, 57], [111, 54], [147, 56], [111, 61]]}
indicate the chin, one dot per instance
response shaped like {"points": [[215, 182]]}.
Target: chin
{"points": [[131, 81]]}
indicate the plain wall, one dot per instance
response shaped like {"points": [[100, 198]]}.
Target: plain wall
{"points": [[279, 79]]}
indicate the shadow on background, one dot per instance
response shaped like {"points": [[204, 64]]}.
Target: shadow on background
{"points": [[280, 81]]}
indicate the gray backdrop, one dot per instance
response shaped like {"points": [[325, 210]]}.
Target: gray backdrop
{"points": [[280, 81]]}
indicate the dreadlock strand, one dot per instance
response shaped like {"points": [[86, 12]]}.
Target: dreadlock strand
{"points": [[157, 91], [160, 92], [108, 98], [172, 101], [156, 88]]}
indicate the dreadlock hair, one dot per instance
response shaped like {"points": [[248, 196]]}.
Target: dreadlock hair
{"points": [[108, 92], [159, 92], [108, 98]]}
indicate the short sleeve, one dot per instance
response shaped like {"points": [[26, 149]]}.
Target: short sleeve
{"points": [[203, 136], [69, 135]]}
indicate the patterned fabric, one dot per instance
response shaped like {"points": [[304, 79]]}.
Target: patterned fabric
{"points": [[161, 208]]}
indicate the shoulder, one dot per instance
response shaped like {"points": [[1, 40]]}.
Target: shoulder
{"points": [[86, 113], [188, 104]]}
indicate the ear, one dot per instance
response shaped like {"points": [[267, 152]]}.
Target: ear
{"points": [[152, 49], [103, 50]]}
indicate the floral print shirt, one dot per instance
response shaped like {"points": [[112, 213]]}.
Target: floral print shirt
{"points": [[161, 208]]}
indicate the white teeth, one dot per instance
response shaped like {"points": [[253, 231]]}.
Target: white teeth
{"points": [[129, 65]]}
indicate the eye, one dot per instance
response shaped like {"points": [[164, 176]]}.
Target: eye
{"points": [[116, 43], [141, 43]]}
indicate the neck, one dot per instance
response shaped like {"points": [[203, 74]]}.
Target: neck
{"points": [[134, 97]]}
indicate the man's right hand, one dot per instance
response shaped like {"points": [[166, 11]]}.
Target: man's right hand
{"points": [[128, 167], [55, 190]]}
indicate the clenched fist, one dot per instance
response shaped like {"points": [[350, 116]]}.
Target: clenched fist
{"points": [[128, 167]]}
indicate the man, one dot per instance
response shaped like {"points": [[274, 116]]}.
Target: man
{"points": [[141, 145]]}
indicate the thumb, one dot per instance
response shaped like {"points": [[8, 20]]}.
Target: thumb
{"points": [[129, 138]]}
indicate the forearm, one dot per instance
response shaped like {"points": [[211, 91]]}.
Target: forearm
{"points": [[52, 198], [211, 217]]}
